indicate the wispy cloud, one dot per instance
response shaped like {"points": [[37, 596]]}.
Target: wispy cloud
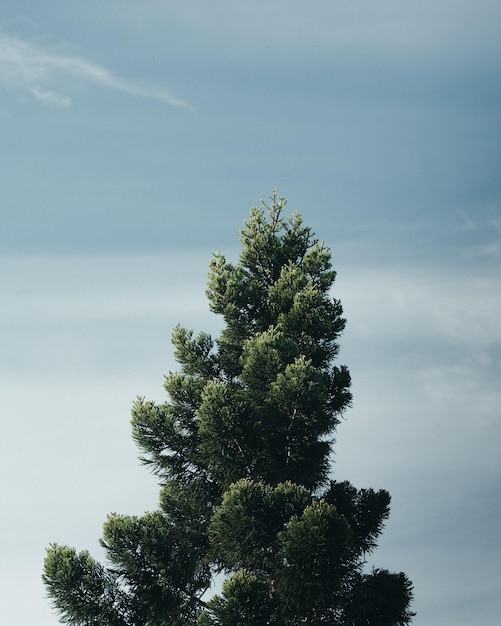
{"points": [[34, 71]]}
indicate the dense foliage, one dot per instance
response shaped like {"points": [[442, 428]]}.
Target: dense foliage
{"points": [[242, 449]]}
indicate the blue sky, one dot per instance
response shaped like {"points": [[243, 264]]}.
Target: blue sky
{"points": [[135, 137]]}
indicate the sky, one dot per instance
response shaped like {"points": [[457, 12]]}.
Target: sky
{"points": [[135, 138]]}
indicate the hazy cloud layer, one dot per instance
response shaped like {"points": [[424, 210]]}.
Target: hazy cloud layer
{"points": [[40, 72], [423, 29]]}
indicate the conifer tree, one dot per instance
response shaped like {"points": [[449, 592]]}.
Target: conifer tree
{"points": [[242, 452]]}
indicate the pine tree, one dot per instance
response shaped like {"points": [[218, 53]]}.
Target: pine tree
{"points": [[242, 453]]}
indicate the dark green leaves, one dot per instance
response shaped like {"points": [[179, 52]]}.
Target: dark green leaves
{"points": [[82, 590], [229, 436], [242, 449], [304, 547], [245, 528], [366, 511], [194, 354], [245, 601], [158, 564], [380, 598], [318, 559]]}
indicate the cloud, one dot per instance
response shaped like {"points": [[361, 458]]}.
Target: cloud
{"points": [[394, 30], [46, 96], [485, 235], [47, 76]]}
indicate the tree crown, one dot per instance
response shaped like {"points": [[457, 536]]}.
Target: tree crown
{"points": [[242, 449]]}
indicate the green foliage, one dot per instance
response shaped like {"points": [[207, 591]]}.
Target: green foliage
{"points": [[365, 510], [245, 600], [314, 548], [380, 598], [82, 590], [242, 449], [245, 528]]}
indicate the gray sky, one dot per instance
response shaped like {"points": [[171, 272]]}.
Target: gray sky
{"points": [[135, 137]]}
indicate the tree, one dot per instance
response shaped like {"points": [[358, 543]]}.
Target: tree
{"points": [[241, 449]]}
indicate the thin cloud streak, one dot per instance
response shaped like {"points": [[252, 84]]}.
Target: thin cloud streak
{"points": [[30, 71]]}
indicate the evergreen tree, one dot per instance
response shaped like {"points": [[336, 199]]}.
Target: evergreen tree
{"points": [[242, 452]]}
